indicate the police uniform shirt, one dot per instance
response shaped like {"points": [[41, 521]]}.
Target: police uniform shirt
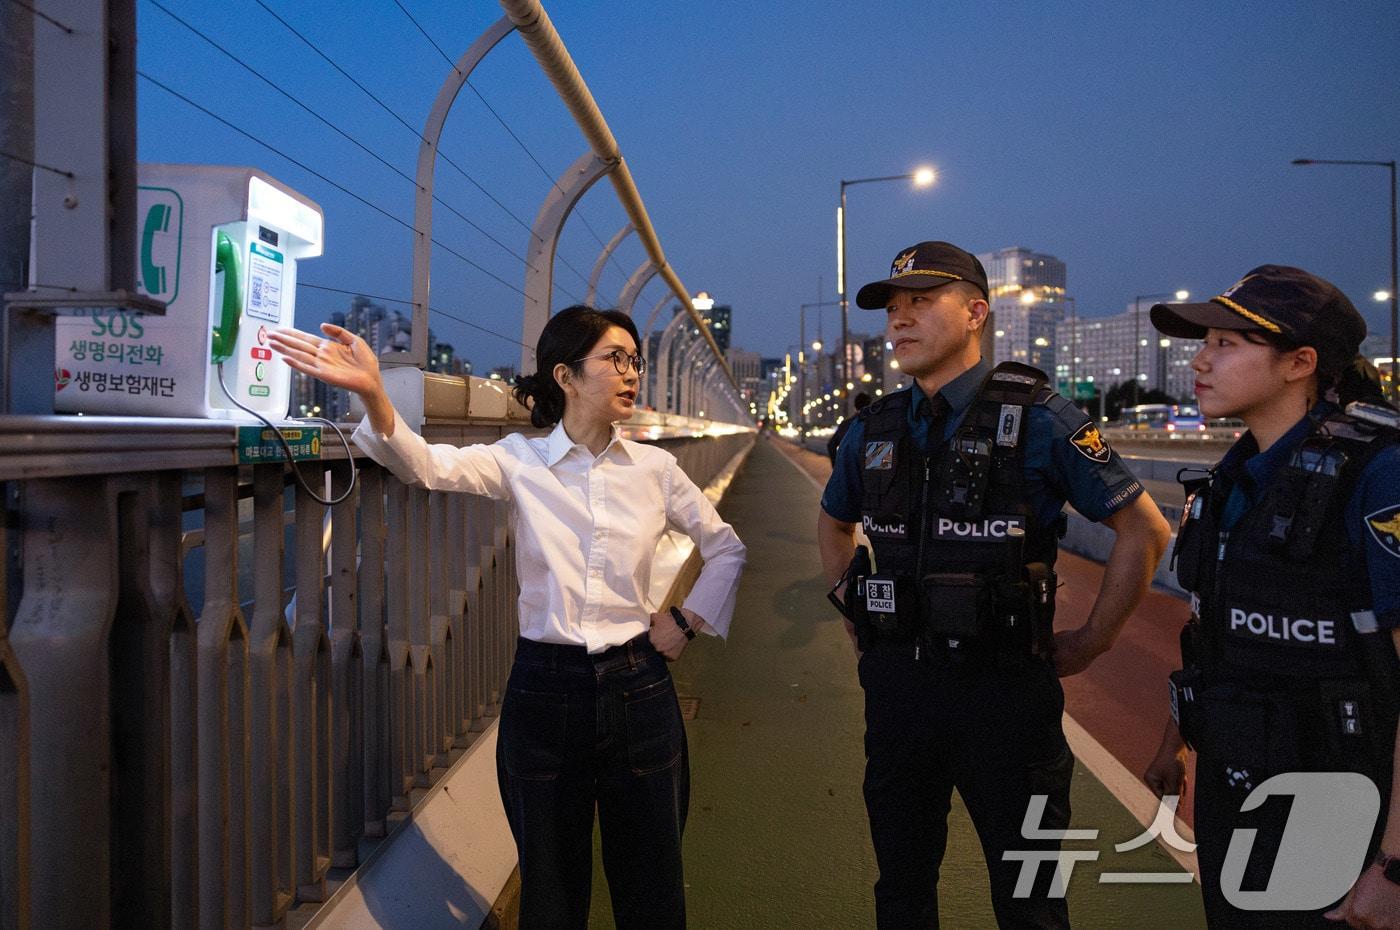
{"points": [[1372, 513], [1065, 457]]}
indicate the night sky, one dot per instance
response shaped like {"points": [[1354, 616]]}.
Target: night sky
{"points": [[1147, 145]]}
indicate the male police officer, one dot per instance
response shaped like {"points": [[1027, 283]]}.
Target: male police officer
{"points": [[959, 483]]}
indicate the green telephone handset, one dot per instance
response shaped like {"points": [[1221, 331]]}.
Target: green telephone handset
{"points": [[153, 275], [226, 333]]}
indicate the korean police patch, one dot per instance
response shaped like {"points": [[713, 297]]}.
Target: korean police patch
{"points": [[879, 456], [1384, 525], [1091, 443]]}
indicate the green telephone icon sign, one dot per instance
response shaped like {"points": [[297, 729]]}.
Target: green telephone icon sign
{"points": [[153, 275]]}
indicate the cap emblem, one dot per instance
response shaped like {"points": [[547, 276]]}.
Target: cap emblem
{"points": [[903, 264], [1230, 291]]}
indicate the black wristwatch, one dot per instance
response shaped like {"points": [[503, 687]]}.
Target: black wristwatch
{"points": [[680, 622], [1390, 866]]}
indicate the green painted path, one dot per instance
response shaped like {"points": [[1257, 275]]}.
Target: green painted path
{"points": [[777, 837]]}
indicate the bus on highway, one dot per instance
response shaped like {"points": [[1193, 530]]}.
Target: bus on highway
{"points": [[1174, 418]]}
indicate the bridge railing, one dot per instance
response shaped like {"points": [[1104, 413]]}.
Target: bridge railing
{"points": [[215, 690]]}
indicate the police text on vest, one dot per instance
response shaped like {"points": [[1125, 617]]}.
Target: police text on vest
{"points": [[1284, 629]]}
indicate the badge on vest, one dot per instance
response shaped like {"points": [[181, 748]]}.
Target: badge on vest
{"points": [[1009, 425], [1090, 443], [1278, 628], [884, 525], [879, 595], [879, 456], [978, 530], [1384, 525]]}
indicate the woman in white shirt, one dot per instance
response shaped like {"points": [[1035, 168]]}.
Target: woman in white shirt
{"points": [[590, 717]]}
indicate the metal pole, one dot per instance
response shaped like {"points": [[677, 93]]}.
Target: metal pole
{"points": [[841, 247], [1073, 349], [801, 373], [1394, 297], [1137, 344]]}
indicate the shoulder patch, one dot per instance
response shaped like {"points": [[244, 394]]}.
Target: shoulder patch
{"points": [[1090, 443], [1384, 525]]}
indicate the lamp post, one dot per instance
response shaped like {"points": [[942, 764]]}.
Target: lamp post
{"points": [[1073, 348], [816, 346], [923, 177], [1137, 336], [1394, 316]]}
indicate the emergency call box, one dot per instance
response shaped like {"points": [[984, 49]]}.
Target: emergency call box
{"points": [[220, 246]]}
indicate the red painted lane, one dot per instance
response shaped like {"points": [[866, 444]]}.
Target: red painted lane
{"points": [[1122, 698]]}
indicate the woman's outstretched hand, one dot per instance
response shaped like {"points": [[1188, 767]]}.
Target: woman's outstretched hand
{"points": [[341, 359]]}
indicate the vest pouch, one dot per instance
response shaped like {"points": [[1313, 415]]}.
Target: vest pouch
{"points": [[1253, 734], [1191, 543], [957, 605], [1359, 737]]}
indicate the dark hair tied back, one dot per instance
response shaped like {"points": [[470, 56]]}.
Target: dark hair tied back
{"points": [[1359, 381], [568, 336]]}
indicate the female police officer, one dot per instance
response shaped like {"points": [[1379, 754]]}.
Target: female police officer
{"points": [[590, 719], [1291, 550]]}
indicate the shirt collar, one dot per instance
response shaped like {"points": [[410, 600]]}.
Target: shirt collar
{"points": [[1262, 466], [559, 445], [958, 393]]}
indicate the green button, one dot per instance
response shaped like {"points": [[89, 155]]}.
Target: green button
{"points": [[259, 390], [258, 371]]}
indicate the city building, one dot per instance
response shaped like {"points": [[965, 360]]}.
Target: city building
{"points": [[1012, 270], [748, 372], [1026, 291], [1106, 355], [719, 318]]}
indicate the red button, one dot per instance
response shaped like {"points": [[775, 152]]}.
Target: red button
{"points": [[262, 354]]}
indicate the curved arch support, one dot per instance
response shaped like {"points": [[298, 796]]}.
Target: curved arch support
{"points": [[544, 240], [644, 273], [423, 198], [603, 257]]}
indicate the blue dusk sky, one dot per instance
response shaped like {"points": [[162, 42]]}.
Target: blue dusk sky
{"points": [[1147, 145]]}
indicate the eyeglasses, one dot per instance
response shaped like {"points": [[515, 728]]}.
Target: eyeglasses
{"points": [[620, 361]]}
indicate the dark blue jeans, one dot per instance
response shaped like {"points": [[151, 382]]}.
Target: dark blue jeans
{"points": [[580, 732]]}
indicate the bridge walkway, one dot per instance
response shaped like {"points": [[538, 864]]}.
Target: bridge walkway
{"points": [[777, 837]]}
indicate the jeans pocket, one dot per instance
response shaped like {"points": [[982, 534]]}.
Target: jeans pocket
{"points": [[655, 732], [533, 727]]}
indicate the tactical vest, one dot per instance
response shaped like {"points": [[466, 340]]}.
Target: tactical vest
{"points": [[961, 561], [1281, 605]]}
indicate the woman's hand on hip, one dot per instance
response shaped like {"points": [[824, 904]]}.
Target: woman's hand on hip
{"points": [[667, 636]]}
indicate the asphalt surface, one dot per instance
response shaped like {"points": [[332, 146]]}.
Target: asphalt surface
{"points": [[777, 836]]}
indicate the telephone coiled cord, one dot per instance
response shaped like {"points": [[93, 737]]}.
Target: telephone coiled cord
{"points": [[287, 449]]}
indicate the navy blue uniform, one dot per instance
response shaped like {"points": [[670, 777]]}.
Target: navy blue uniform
{"points": [[993, 734], [1226, 768]]}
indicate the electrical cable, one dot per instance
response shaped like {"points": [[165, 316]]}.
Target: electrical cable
{"points": [[23, 5], [373, 154], [35, 164], [387, 109], [400, 300], [339, 187], [453, 65], [287, 449]]}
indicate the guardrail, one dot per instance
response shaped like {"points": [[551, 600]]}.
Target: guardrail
{"points": [[207, 764]]}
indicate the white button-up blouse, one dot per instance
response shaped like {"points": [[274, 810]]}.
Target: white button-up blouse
{"points": [[586, 528]]}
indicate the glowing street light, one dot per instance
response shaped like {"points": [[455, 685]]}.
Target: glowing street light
{"points": [[922, 177]]}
